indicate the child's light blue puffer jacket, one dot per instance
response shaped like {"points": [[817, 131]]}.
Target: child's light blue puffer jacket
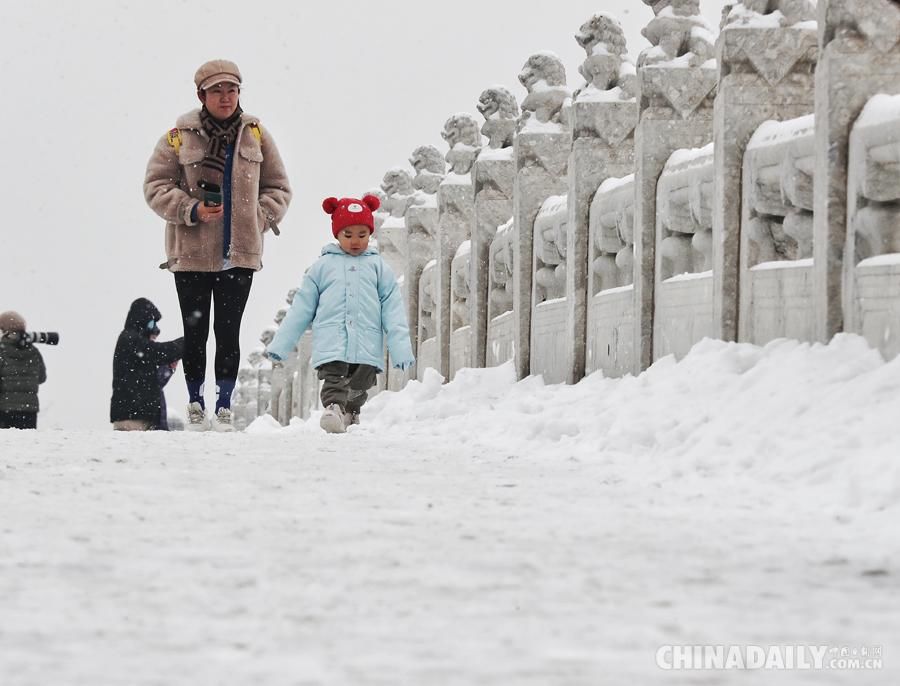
{"points": [[350, 302]]}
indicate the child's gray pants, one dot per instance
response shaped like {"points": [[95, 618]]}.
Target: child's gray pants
{"points": [[346, 384]]}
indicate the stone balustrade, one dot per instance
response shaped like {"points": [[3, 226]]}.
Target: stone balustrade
{"points": [[743, 185], [610, 313], [428, 352], [500, 345], [776, 263], [461, 309], [683, 303], [872, 251], [548, 316]]}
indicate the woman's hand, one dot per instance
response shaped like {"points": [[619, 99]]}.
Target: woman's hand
{"points": [[208, 214]]}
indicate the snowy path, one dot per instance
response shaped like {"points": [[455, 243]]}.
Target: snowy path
{"points": [[183, 559], [483, 532]]}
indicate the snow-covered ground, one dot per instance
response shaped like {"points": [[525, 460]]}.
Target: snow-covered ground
{"points": [[479, 532]]}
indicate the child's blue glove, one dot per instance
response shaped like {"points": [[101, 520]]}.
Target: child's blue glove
{"points": [[404, 364], [273, 356]]}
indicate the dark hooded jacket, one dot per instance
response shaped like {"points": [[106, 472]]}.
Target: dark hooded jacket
{"points": [[136, 388], [21, 372]]}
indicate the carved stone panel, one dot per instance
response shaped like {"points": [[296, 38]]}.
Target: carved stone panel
{"points": [[860, 57]]}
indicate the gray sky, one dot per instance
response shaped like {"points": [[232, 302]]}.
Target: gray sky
{"points": [[347, 88]]}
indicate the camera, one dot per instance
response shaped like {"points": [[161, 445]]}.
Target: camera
{"points": [[212, 193], [46, 337]]}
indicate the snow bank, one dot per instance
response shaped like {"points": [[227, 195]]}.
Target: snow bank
{"points": [[798, 414]]}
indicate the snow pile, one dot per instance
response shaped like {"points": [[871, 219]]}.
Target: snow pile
{"points": [[790, 413]]}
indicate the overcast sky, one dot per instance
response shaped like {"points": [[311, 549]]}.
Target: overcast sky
{"points": [[348, 89]]}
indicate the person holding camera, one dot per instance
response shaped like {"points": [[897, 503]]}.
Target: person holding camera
{"points": [[22, 370], [136, 389], [218, 180]]}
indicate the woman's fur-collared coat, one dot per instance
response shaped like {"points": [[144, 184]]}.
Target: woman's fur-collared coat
{"points": [[260, 194]]}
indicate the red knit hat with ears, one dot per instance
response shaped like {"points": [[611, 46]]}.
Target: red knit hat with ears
{"points": [[351, 212]]}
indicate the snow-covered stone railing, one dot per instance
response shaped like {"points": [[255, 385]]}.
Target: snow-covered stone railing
{"points": [[501, 344], [461, 309], [743, 185], [872, 253], [859, 57], [542, 147], [610, 315], [767, 52], [776, 263], [548, 315], [456, 224], [677, 82], [428, 353], [494, 177], [684, 286], [604, 115]]}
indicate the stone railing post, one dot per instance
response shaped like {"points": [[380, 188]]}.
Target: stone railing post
{"points": [[494, 176], [767, 56], [422, 225], [677, 82], [604, 115], [542, 148], [243, 403], [456, 223], [859, 56]]}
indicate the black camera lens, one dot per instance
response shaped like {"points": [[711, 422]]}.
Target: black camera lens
{"points": [[45, 337]]}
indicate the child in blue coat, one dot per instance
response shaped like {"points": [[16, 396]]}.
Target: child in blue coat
{"points": [[351, 298]]}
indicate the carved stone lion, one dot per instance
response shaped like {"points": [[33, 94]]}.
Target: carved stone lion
{"points": [[396, 181], [544, 76], [430, 168], [605, 29], [603, 66], [498, 100], [543, 66], [682, 32], [398, 189], [500, 111], [427, 158], [463, 135]]}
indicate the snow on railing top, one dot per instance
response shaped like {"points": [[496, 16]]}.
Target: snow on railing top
{"points": [[776, 132]]}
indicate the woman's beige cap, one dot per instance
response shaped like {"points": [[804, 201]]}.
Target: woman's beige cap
{"points": [[216, 71]]}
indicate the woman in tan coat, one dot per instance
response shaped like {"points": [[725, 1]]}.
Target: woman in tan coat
{"points": [[219, 182]]}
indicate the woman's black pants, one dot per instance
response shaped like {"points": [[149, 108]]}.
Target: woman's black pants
{"points": [[227, 293]]}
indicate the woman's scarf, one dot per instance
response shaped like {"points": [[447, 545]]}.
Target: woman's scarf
{"points": [[221, 135]]}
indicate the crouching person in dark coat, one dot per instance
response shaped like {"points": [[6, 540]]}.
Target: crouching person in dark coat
{"points": [[22, 370], [135, 404]]}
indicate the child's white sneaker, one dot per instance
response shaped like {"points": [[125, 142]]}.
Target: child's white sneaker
{"points": [[332, 420], [222, 420], [196, 418]]}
